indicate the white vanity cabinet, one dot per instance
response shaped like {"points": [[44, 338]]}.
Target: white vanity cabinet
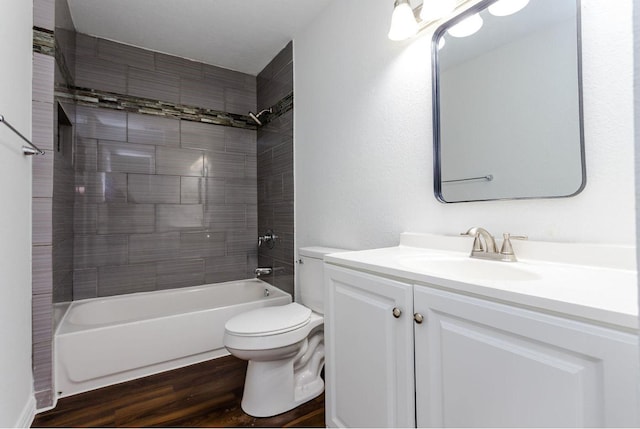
{"points": [[478, 362], [369, 351], [485, 364]]}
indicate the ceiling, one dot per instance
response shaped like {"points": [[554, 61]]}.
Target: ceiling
{"points": [[241, 35]]}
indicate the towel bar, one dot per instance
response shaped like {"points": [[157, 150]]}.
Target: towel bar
{"points": [[33, 150]]}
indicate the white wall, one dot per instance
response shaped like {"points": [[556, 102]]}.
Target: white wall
{"points": [[17, 404], [636, 103], [363, 137]]}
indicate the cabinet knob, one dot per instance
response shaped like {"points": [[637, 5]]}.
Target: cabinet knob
{"points": [[419, 318], [396, 312]]}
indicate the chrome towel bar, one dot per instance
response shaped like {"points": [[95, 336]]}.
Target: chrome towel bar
{"points": [[33, 150]]}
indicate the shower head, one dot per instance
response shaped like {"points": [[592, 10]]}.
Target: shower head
{"points": [[256, 118]]}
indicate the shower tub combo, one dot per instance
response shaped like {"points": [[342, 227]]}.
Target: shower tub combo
{"points": [[104, 341]]}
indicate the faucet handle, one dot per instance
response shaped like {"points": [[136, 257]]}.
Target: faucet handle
{"points": [[477, 244], [507, 249]]}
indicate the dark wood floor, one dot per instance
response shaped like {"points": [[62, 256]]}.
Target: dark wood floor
{"points": [[202, 395]]}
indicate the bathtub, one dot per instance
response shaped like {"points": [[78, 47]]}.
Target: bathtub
{"points": [[104, 341]]}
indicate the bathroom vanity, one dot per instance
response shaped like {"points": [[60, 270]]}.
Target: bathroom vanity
{"points": [[422, 335]]}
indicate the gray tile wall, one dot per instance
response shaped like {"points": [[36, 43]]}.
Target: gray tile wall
{"points": [[160, 202], [275, 171], [65, 43], [42, 226], [44, 14], [53, 194], [42, 210], [108, 66], [62, 205]]}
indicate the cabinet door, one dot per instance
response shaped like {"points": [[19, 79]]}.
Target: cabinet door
{"points": [[369, 351], [485, 364]]}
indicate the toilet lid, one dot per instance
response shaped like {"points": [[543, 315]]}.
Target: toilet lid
{"points": [[269, 320]]}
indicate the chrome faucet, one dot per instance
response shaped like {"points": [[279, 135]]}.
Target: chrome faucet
{"points": [[489, 242], [489, 249], [263, 271]]}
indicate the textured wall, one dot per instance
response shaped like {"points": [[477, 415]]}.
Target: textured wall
{"points": [[275, 168], [161, 202], [364, 164], [17, 404], [636, 104]]}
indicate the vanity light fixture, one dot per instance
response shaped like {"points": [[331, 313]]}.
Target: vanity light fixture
{"points": [[407, 21], [432, 10], [466, 27], [507, 7], [403, 21]]}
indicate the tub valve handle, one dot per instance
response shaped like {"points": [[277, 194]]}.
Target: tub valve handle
{"points": [[268, 239]]}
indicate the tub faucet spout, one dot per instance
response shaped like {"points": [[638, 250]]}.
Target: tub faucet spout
{"points": [[263, 271]]}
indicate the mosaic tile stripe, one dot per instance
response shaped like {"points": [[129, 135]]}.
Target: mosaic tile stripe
{"points": [[43, 41], [128, 103], [280, 108]]}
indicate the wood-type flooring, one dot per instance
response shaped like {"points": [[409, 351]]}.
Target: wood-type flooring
{"points": [[202, 395]]}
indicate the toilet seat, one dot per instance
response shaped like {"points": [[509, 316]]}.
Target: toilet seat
{"points": [[269, 321], [272, 340]]}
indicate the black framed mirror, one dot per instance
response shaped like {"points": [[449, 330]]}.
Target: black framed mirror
{"points": [[507, 102]]}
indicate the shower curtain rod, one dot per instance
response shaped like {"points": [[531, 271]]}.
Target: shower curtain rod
{"points": [[33, 150]]}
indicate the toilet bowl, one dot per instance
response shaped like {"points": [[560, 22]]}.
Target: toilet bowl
{"points": [[284, 345]]}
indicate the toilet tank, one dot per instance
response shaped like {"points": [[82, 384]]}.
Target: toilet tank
{"points": [[311, 276]]}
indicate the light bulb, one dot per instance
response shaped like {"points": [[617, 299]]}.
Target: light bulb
{"points": [[433, 10], [441, 42], [467, 27], [507, 7], [403, 22]]}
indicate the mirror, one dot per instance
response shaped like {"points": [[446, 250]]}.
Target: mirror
{"points": [[507, 102]]}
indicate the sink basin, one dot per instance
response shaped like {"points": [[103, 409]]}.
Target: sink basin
{"points": [[465, 268]]}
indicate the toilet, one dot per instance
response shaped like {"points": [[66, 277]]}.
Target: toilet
{"points": [[284, 344]]}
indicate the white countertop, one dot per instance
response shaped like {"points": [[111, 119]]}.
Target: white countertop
{"points": [[589, 282]]}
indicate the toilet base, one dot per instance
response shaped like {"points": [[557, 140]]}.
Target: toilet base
{"points": [[269, 399], [274, 387]]}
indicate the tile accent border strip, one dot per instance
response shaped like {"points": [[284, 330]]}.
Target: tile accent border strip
{"points": [[44, 41], [280, 108], [128, 103]]}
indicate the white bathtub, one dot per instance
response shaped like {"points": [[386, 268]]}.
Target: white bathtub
{"points": [[104, 341]]}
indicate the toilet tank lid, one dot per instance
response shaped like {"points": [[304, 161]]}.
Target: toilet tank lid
{"points": [[318, 252]]}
